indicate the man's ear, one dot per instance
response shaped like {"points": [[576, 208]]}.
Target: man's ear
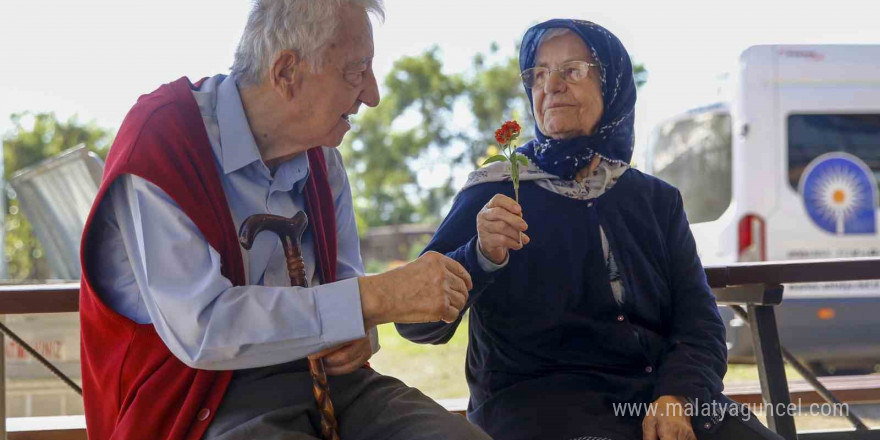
{"points": [[285, 73]]}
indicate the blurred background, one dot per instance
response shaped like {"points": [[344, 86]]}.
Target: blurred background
{"points": [[448, 73]]}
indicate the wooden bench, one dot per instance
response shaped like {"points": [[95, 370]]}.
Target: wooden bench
{"points": [[757, 286], [848, 389], [46, 428]]}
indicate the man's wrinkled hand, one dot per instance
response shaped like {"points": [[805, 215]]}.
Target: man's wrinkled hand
{"points": [[346, 358], [667, 420], [432, 288]]}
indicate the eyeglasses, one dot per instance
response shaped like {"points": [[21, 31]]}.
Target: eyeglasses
{"points": [[571, 72]]}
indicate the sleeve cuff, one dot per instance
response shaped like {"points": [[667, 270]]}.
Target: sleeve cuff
{"points": [[472, 264], [683, 390], [486, 264], [339, 307], [374, 340]]}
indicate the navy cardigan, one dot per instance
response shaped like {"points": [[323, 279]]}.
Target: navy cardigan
{"points": [[548, 322]]}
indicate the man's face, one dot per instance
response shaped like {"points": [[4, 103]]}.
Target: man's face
{"points": [[345, 81]]}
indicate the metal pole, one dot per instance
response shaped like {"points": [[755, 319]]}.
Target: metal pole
{"points": [[40, 358], [771, 370], [2, 385], [808, 375]]}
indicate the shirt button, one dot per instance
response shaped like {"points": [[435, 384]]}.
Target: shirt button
{"points": [[590, 205], [707, 426], [620, 318], [649, 369], [203, 414]]}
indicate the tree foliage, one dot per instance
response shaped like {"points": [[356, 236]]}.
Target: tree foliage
{"points": [[415, 123], [379, 151], [35, 137]]}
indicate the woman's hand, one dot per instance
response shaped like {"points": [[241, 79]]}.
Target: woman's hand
{"points": [[499, 225], [667, 421]]}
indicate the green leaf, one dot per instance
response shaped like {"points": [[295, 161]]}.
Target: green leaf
{"points": [[522, 160], [495, 158], [514, 172]]}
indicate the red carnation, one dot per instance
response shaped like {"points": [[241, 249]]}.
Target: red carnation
{"points": [[505, 135], [509, 131]]}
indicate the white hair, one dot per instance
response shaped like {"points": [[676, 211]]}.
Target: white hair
{"points": [[304, 26], [553, 33], [559, 32]]}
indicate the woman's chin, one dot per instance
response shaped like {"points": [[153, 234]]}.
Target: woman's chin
{"points": [[564, 133], [562, 129]]}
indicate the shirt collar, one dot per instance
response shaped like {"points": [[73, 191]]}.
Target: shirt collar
{"points": [[237, 146], [292, 174]]}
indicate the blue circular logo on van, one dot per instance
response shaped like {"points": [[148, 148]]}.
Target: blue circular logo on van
{"points": [[840, 194]]}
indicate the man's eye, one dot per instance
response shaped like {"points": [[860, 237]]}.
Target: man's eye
{"points": [[354, 77]]}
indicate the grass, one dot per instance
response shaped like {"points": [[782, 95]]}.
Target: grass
{"points": [[438, 371]]}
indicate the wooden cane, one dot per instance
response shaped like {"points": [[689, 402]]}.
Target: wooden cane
{"points": [[290, 231]]}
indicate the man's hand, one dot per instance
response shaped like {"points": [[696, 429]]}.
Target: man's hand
{"points": [[667, 421], [346, 358], [499, 225], [432, 288]]}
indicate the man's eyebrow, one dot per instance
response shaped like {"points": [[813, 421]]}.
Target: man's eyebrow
{"points": [[359, 62]]}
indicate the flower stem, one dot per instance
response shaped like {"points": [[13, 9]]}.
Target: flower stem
{"points": [[516, 195]]}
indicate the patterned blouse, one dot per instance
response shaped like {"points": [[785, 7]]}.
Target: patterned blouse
{"points": [[597, 183]]}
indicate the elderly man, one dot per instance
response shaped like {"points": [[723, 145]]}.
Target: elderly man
{"points": [[186, 335]]}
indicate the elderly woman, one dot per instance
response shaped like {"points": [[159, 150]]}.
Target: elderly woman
{"points": [[605, 302]]}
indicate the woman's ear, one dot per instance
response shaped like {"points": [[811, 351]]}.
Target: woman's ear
{"points": [[284, 74]]}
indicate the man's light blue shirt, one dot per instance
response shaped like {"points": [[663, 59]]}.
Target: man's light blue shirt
{"points": [[156, 267]]}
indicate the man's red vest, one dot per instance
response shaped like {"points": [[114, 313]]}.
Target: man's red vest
{"points": [[133, 387]]}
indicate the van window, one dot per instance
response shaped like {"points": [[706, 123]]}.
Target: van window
{"points": [[694, 154], [810, 136]]}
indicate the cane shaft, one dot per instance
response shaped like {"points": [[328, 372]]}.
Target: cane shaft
{"points": [[320, 387]]}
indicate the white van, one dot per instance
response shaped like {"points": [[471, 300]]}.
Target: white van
{"points": [[789, 170], [2, 218]]}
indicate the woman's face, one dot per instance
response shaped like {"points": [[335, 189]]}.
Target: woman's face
{"points": [[565, 110]]}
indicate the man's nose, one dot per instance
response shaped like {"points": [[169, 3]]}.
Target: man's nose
{"points": [[370, 94]]}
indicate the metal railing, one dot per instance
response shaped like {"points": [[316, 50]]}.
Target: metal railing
{"points": [[28, 299]]}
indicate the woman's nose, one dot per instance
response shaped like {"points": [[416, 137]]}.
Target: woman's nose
{"points": [[554, 82]]}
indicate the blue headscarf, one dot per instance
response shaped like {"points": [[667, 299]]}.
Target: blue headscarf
{"points": [[613, 138]]}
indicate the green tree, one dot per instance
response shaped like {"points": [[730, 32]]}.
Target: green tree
{"points": [[33, 138], [495, 94], [411, 119], [413, 123]]}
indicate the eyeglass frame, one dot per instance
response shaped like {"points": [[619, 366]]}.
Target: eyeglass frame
{"points": [[560, 69]]}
